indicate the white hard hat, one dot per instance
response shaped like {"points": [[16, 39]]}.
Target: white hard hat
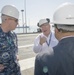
{"points": [[10, 10], [42, 21], [64, 14]]}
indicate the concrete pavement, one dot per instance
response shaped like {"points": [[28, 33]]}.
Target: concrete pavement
{"points": [[27, 63], [26, 54]]}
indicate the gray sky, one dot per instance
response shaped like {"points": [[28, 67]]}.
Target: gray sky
{"points": [[35, 9]]}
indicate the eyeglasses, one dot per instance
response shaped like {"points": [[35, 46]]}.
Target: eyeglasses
{"points": [[16, 20]]}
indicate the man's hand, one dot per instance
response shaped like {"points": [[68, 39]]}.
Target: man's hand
{"points": [[42, 40], [1, 67]]}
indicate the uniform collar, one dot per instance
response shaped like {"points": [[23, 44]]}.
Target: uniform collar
{"points": [[66, 37]]}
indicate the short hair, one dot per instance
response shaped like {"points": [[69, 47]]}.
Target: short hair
{"points": [[64, 28]]}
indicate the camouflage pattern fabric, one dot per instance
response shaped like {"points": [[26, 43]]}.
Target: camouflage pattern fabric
{"points": [[8, 52]]}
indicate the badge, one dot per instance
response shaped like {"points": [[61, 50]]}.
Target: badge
{"points": [[45, 69]]}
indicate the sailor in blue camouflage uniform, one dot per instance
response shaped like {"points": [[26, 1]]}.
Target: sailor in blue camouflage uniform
{"points": [[8, 41]]}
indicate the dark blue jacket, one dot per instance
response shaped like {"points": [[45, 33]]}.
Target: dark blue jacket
{"points": [[59, 62]]}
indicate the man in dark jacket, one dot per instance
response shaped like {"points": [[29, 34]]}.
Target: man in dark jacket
{"points": [[60, 61]]}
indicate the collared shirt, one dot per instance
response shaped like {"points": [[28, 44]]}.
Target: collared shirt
{"points": [[8, 51], [51, 42]]}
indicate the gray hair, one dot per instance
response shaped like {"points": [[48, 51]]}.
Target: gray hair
{"points": [[66, 27]]}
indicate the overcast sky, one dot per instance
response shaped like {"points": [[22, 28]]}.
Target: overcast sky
{"points": [[35, 9]]}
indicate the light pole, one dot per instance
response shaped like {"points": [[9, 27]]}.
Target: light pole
{"points": [[22, 19], [25, 15]]}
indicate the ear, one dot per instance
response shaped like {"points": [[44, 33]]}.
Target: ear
{"points": [[38, 24], [48, 20], [56, 30]]}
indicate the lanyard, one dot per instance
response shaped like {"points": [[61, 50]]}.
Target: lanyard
{"points": [[48, 43]]}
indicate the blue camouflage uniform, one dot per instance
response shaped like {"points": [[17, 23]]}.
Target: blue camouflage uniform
{"points": [[8, 52]]}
